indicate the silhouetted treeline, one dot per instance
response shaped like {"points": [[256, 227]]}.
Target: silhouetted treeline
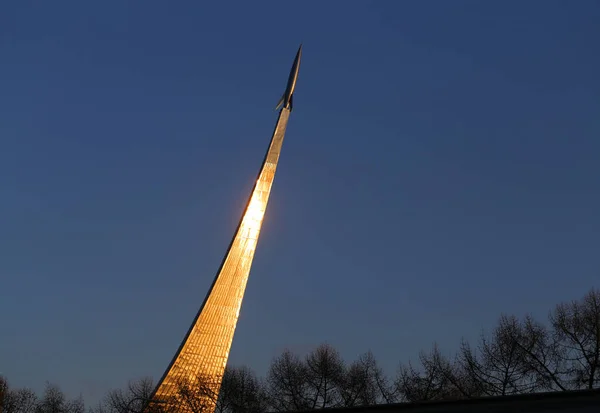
{"points": [[53, 400], [516, 356]]}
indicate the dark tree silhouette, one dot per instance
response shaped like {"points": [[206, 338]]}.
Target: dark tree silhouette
{"points": [[365, 384], [576, 333], [16, 400], [287, 383], [519, 356], [498, 363], [324, 373], [3, 393], [539, 352], [55, 401], [242, 392], [431, 382], [132, 399]]}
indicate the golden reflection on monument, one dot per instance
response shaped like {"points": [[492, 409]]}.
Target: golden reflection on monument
{"points": [[192, 381], [204, 351]]}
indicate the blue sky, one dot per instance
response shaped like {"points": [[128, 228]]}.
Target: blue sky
{"points": [[442, 166]]}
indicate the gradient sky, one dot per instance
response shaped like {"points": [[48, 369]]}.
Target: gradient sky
{"points": [[442, 166]]}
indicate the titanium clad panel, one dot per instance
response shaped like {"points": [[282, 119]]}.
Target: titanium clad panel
{"points": [[205, 349]]}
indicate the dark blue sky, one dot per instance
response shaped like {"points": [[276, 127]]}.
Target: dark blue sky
{"points": [[442, 165]]}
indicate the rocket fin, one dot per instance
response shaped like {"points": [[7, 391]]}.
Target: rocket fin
{"points": [[280, 103]]}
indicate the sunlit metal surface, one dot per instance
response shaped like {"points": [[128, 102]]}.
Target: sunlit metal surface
{"points": [[205, 349]]}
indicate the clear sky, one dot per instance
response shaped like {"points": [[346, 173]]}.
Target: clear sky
{"points": [[442, 165]]}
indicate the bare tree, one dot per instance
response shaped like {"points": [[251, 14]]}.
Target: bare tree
{"points": [[498, 364], [16, 400], [3, 393], [365, 384], [287, 383], [241, 392], [576, 331], [453, 380], [430, 382], [76, 405], [324, 373], [196, 396], [540, 353], [55, 401], [26, 400], [133, 399]]}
